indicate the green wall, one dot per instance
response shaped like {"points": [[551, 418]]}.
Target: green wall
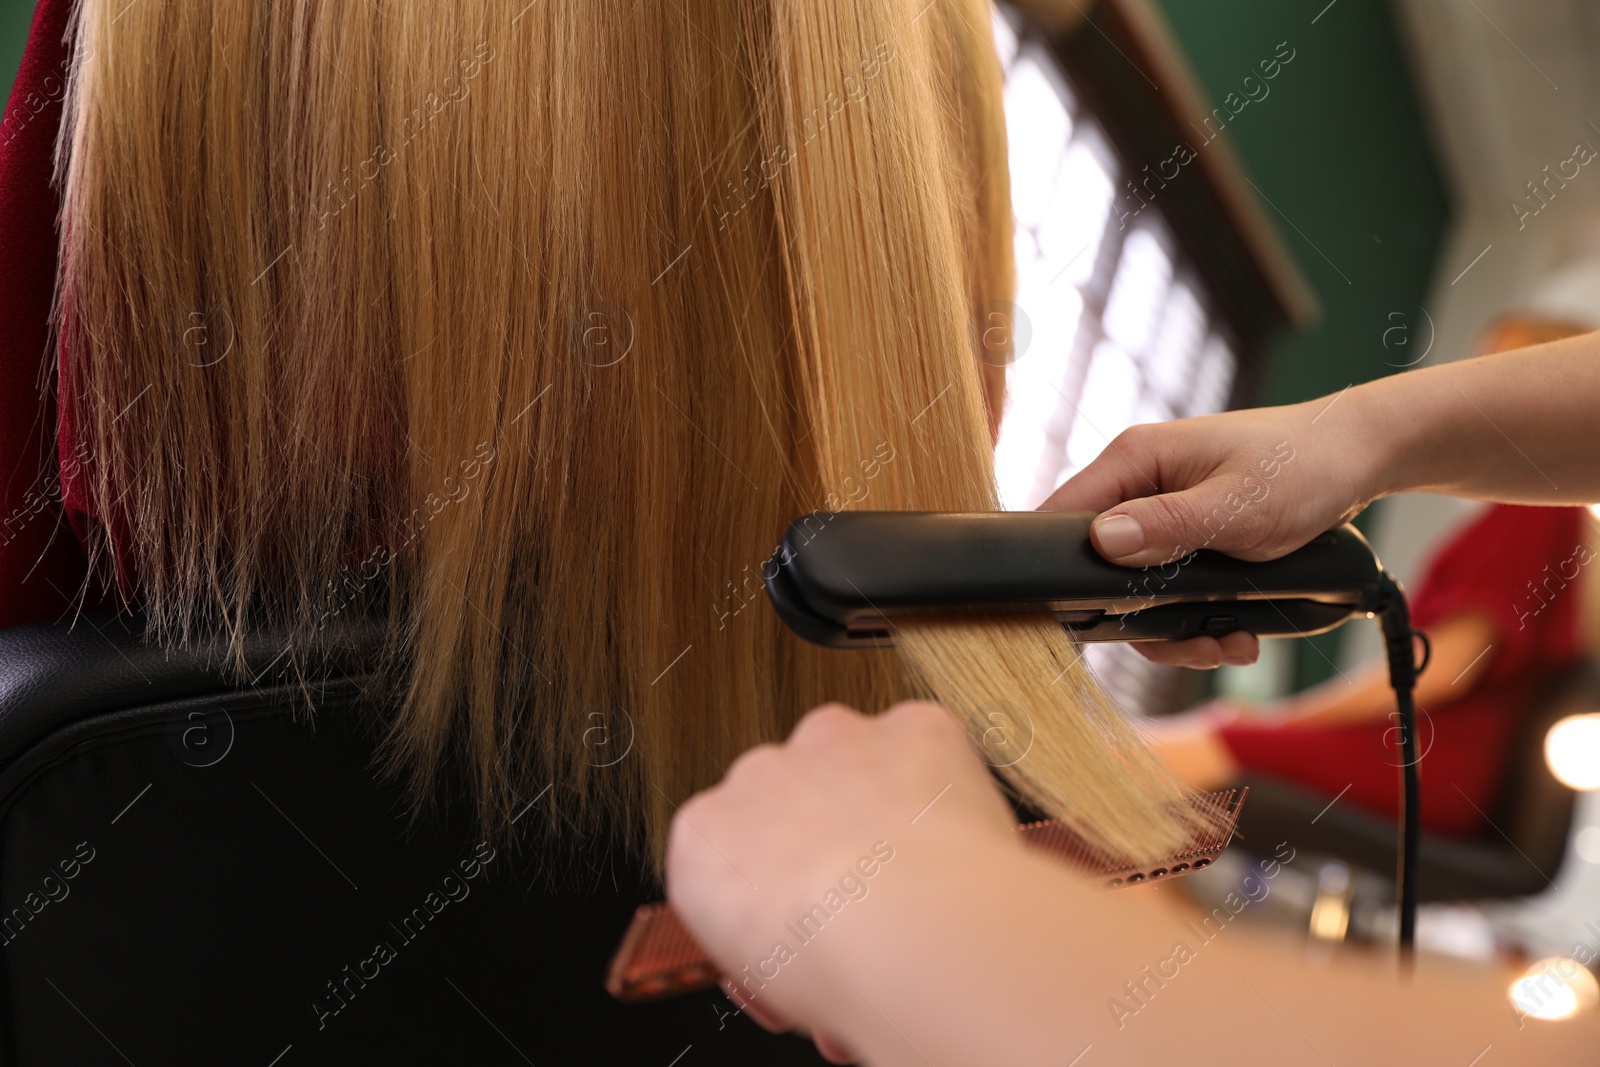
{"points": [[15, 17], [1341, 148]]}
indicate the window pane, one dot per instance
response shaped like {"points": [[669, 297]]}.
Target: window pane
{"points": [[1214, 379], [1069, 234], [1005, 38], [1110, 396], [1137, 291], [1037, 130], [1175, 352], [1025, 465]]}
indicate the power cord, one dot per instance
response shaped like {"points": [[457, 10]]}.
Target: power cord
{"points": [[1398, 636]]}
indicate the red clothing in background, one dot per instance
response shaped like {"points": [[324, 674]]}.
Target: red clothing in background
{"points": [[42, 565], [1517, 566]]}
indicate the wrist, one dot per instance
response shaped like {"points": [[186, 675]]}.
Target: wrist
{"points": [[1379, 454], [1418, 429], [1379, 439]]}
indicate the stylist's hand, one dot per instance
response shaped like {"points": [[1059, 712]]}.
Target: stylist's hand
{"points": [[751, 854], [1254, 484]]}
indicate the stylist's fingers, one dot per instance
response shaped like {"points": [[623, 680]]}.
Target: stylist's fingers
{"points": [[1158, 530], [832, 1050], [757, 1012], [1253, 484], [1238, 649], [1127, 468], [1164, 490]]}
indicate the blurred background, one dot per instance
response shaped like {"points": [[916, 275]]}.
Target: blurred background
{"points": [[1246, 203]]}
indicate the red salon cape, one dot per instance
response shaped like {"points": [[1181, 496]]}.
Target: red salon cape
{"points": [[42, 564]]}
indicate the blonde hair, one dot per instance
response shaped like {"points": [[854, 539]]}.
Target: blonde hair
{"points": [[535, 331]]}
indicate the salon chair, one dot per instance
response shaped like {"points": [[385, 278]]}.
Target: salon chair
{"points": [[196, 871], [1516, 856]]}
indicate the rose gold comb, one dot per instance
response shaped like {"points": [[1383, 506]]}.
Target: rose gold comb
{"points": [[657, 958]]}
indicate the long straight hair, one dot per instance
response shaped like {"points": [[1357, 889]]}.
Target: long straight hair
{"points": [[534, 328]]}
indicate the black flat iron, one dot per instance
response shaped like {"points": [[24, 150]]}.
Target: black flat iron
{"points": [[842, 579]]}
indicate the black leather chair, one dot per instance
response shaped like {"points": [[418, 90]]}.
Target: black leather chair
{"points": [[1517, 856], [196, 872]]}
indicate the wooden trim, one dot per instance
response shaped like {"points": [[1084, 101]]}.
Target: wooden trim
{"points": [[1053, 16], [1183, 95], [1130, 71]]}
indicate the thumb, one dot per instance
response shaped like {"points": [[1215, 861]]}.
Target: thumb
{"points": [[1153, 530]]}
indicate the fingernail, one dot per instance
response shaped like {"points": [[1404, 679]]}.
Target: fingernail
{"points": [[1237, 661], [1119, 535], [1200, 665]]}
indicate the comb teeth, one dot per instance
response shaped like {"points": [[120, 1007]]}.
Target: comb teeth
{"points": [[658, 958], [1218, 812]]}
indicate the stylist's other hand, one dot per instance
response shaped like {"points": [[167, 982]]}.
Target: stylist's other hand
{"points": [[1254, 484], [789, 821]]}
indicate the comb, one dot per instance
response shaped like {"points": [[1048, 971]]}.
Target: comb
{"points": [[658, 958]]}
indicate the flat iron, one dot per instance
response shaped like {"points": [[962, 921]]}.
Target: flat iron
{"points": [[840, 580]]}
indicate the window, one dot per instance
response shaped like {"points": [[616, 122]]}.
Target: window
{"points": [[1117, 326]]}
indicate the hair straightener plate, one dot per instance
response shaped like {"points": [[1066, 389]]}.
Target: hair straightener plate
{"points": [[841, 580]]}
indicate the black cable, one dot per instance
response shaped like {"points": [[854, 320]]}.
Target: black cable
{"points": [[1427, 650], [1395, 618]]}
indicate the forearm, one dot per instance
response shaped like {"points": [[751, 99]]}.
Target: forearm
{"points": [[1007, 958], [1354, 696], [1517, 427], [1463, 648]]}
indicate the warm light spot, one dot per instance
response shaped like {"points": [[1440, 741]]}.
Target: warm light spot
{"points": [[1572, 751], [1555, 988], [1588, 843], [1330, 918]]}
